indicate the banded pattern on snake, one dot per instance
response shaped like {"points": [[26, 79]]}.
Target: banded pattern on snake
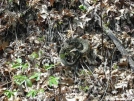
{"points": [[73, 49]]}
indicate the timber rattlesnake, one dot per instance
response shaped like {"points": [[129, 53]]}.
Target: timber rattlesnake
{"points": [[72, 50]]}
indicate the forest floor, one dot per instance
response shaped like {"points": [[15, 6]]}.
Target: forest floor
{"points": [[33, 33]]}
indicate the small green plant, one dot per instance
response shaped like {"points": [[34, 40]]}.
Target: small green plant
{"points": [[40, 53], [33, 92], [82, 7], [9, 93], [53, 81], [25, 65], [84, 72], [40, 39], [115, 66], [35, 76], [34, 55], [18, 64], [48, 66], [84, 88], [20, 79]]}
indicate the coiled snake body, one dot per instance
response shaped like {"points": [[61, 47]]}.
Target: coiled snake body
{"points": [[72, 50]]}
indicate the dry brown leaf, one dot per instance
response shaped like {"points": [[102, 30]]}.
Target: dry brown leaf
{"points": [[51, 2], [65, 90], [33, 2], [123, 62], [5, 44], [69, 81]]}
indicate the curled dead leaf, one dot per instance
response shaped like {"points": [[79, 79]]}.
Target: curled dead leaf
{"points": [[65, 90], [123, 62], [51, 2]]}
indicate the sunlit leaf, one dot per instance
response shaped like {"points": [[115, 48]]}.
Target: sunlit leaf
{"points": [[47, 66], [9, 93], [24, 66], [53, 81], [34, 55], [19, 60], [35, 76], [32, 93], [28, 82], [82, 7], [19, 79]]}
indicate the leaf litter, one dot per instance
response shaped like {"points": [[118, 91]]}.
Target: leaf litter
{"points": [[36, 34]]}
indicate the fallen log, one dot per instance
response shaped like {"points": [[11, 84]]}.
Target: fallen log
{"points": [[118, 44], [115, 40]]}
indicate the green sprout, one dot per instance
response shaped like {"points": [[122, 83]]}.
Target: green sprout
{"points": [[33, 92], [9, 93], [34, 55], [18, 64], [53, 81], [84, 88], [35, 76], [82, 7], [20, 79], [115, 66], [48, 66]]}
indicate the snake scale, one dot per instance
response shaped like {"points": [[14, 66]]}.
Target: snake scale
{"points": [[73, 48]]}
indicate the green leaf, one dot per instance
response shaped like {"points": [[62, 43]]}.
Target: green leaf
{"points": [[82, 7], [9, 93], [115, 66], [34, 55], [19, 60], [47, 66], [32, 93], [16, 65], [28, 82], [84, 88], [19, 79], [53, 81], [24, 66], [41, 90], [35, 76], [40, 39], [40, 53], [62, 56]]}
